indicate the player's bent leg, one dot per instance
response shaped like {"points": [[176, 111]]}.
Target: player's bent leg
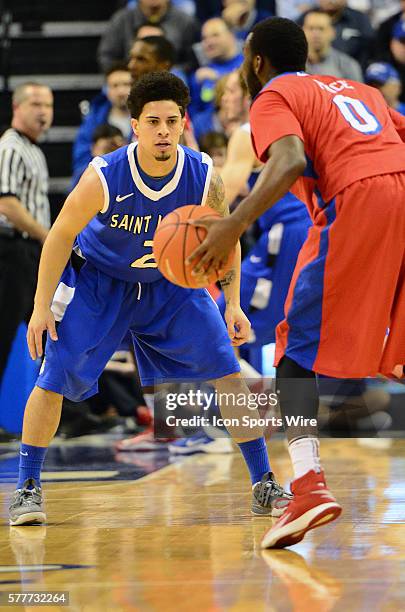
{"points": [[41, 417], [71, 368], [41, 420], [312, 505], [268, 497]]}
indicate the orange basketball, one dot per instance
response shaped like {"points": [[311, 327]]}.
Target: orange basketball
{"points": [[175, 239]]}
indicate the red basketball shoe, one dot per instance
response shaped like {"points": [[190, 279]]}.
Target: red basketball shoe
{"points": [[313, 505]]}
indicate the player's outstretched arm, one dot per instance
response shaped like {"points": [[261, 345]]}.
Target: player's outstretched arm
{"points": [[85, 201], [240, 160], [237, 323], [285, 165]]}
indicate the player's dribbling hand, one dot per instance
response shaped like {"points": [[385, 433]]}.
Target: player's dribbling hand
{"points": [[238, 325], [212, 254], [42, 319]]}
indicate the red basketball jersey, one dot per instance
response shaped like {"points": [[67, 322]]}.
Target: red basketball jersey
{"points": [[349, 132]]}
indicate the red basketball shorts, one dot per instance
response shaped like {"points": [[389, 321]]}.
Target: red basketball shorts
{"points": [[345, 311]]}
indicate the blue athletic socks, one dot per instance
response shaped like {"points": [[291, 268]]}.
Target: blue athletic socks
{"points": [[257, 460], [31, 460]]}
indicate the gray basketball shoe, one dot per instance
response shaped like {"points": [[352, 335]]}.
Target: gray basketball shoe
{"points": [[26, 506], [269, 498]]}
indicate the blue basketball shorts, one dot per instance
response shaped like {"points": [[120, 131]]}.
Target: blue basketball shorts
{"points": [[178, 334]]}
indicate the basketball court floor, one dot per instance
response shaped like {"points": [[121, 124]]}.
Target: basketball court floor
{"points": [[180, 536]]}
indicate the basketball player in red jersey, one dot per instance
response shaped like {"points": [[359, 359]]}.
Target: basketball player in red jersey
{"points": [[337, 143]]}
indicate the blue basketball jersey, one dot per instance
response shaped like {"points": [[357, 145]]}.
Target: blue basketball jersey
{"points": [[119, 240]]}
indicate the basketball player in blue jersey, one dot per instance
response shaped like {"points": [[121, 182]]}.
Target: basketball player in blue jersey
{"points": [[98, 278]]}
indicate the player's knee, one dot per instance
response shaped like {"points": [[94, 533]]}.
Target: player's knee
{"points": [[46, 396]]}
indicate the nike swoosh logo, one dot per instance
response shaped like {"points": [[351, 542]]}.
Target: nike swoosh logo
{"points": [[24, 454], [122, 198], [255, 259]]}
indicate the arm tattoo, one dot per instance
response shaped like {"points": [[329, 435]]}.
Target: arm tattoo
{"points": [[228, 279], [216, 195]]}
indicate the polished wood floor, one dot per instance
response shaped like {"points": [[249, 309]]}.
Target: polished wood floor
{"points": [[183, 539]]}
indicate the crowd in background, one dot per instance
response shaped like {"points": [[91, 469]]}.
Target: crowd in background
{"points": [[202, 42]]}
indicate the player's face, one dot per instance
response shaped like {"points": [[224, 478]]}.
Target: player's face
{"points": [[159, 128], [143, 60], [252, 81], [118, 86], [35, 112]]}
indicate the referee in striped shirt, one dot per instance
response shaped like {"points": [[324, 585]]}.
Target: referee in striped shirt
{"points": [[24, 208]]}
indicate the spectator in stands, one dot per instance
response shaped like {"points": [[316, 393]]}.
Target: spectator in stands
{"points": [[107, 107], [322, 57], [384, 77], [235, 102], [354, 34], [157, 54], [181, 29], [24, 208], [217, 120], [150, 54], [106, 138], [242, 15], [221, 55], [215, 143], [384, 34]]}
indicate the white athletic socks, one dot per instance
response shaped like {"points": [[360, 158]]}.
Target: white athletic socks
{"points": [[304, 454]]}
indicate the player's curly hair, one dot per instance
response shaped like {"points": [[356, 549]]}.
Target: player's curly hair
{"points": [[282, 41], [157, 86]]}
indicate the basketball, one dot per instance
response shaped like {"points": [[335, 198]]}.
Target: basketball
{"points": [[175, 239]]}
